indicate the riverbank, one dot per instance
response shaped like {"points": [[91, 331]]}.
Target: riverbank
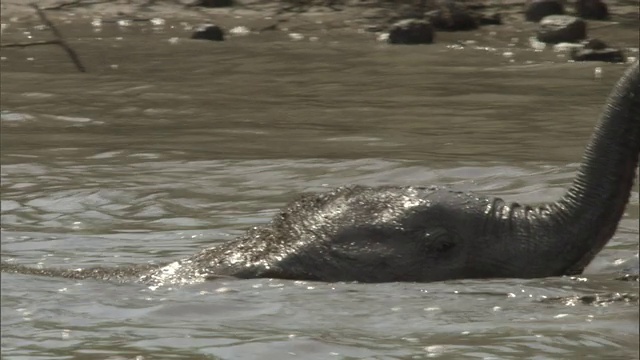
{"points": [[311, 18]]}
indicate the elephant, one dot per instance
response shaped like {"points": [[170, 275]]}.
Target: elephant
{"points": [[425, 234]]}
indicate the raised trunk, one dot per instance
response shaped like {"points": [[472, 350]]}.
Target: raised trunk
{"points": [[592, 207]]}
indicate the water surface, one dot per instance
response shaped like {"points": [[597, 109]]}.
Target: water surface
{"points": [[163, 149]]}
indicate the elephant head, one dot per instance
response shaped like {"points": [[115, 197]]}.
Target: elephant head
{"points": [[428, 234]]}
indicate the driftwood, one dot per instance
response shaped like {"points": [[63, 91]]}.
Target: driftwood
{"points": [[59, 40], [72, 54]]}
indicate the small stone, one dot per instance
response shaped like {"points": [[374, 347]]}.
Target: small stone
{"points": [[561, 28], [411, 31], [604, 55], [208, 32], [589, 299], [592, 9], [535, 10]]}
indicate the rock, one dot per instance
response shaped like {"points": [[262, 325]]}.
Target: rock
{"points": [[605, 55], [561, 28], [213, 3], [596, 50], [411, 31], [208, 32], [451, 16], [592, 9], [535, 10]]}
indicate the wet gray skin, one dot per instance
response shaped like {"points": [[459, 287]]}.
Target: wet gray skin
{"points": [[423, 234]]}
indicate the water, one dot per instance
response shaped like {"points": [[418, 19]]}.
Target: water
{"points": [[163, 149]]}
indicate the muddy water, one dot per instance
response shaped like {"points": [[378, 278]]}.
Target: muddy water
{"points": [[165, 148]]}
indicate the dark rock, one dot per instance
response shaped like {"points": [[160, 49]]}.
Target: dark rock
{"points": [[592, 9], [411, 31], [535, 10], [605, 55], [208, 32], [213, 3], [594, 44], [451, 16], [561, 28]]}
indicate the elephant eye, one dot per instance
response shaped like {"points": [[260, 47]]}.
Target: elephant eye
{"points": [[444, 246], [439, 240]]}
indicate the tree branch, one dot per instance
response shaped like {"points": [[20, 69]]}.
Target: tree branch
{"points": [[59, 39]]}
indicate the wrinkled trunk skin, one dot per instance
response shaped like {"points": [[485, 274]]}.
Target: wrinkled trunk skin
{"points": [[562, 238], [595, 202]]}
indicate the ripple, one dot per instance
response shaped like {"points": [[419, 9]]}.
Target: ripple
{"points": [[8, 116], [189, 155]]}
